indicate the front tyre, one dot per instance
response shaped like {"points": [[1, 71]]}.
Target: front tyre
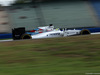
{"points": [[85, 32]]}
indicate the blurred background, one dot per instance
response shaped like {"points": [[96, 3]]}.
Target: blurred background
{"points": [[61, 13]]}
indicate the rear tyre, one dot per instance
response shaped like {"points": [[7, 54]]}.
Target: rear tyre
{"points": [[26, 36]]}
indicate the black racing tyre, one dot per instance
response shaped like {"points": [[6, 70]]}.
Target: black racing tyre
{"points": [[26, 36], [85, 32]]}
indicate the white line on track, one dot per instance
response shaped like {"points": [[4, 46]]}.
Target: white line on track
{"points": [[6, 40]]}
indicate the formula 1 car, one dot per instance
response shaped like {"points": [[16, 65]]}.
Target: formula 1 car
{"points": [[50, 32]]}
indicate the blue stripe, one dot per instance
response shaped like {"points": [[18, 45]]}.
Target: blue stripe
{"points": [[6, 36], [92, 30]]}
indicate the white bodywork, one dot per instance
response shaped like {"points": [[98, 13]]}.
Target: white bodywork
{"points": [[71, 32], [49, 34], [47, 28], [56, 33]]}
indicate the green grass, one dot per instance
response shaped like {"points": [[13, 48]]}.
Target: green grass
{"points": [[58, 56]]}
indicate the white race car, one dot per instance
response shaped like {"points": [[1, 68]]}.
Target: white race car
{"points": [[51, 32]]}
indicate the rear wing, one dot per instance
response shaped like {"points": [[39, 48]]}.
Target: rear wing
{"points": [[17, 33]]}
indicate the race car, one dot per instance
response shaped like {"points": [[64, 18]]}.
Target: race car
{"points": [[51, 32]]}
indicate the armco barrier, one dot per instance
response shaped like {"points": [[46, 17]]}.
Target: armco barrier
{"points": [[6, 36]]}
